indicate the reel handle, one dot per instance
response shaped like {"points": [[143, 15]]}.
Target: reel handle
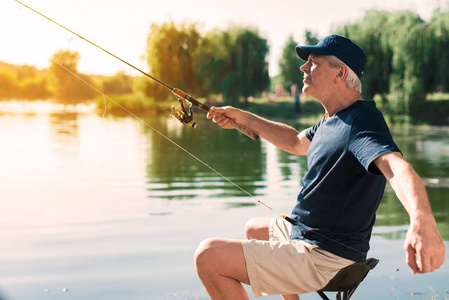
{"points": [[187, 97]]}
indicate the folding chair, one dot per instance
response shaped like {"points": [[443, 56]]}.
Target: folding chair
{"points": [[346, 281]]}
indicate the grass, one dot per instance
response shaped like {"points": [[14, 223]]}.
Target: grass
{"points": [[138, 104], [284, 109], [434, 111]]}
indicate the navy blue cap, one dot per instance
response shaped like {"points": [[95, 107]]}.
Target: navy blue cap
{"points": [[342, 47]]}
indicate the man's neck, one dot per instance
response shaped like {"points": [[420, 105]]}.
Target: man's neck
{"points": [[339, 102]]}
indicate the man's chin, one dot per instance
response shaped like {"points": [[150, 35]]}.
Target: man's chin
{"points": [[304, 90]]}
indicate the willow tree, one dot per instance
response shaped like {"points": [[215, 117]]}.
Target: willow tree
{"points": [[289, 65], [234, 63], [369, 34], [439, 58], [170, 49], [65, 80], [399, 50]]}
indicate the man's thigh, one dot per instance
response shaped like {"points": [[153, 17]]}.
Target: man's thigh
{"points": [[282, 266], [257, 229]]}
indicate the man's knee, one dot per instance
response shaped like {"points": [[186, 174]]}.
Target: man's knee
{"points": [[206, 254], [257, 228]]}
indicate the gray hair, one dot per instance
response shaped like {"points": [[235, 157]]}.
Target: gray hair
{"points": [[352, 80]]}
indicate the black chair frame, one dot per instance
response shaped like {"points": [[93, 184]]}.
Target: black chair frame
{"points": [[346, 281]]}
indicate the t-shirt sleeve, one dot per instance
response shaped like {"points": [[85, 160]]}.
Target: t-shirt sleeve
{"points": [[310, 132], [370, 138]]}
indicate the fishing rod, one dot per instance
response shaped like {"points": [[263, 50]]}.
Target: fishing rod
{"points": [[185, 116]]}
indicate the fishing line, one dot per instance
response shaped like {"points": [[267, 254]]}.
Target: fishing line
{"points": [[154, 129], [105, 106], [183, 95], [172, 89]]}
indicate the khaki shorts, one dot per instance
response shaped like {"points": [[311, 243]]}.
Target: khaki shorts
{"points": [[284, 266]]}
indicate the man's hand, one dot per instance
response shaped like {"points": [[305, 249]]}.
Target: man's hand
{"points": [[424, 247], [223, 116]]}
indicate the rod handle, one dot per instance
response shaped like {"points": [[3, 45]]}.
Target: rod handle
{"points": [[291, 221], [183, 95]]}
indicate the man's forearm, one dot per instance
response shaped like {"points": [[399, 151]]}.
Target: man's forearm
{"points": [[282, 136], [410, 190]]}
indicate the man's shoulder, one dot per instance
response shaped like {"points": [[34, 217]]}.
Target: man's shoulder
{"points": [[362, 111]]}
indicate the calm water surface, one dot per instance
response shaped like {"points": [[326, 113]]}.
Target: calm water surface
{"points": [[105, 208]]}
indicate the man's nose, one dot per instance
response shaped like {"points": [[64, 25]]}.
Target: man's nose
{"points": [[304, 67]]}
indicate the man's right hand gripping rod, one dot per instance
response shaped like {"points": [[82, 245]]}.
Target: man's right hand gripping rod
{"points": [[206, 108]]}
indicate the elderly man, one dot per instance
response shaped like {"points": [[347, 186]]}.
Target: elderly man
{"points": [[350, 155]]}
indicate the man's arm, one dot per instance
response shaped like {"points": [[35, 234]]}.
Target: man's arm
{"points": [[424, 247], [282, 136]]}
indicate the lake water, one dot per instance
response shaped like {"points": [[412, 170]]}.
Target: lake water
{"points": [[100, 208]]}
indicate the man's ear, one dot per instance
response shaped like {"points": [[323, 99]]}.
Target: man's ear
{"points": [[342, 73]]}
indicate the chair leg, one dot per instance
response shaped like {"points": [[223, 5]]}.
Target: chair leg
{"points": [[351, 292], [323, 296]]}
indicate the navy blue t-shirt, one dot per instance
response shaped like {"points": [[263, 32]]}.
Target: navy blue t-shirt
{"points": [[343, 187]]}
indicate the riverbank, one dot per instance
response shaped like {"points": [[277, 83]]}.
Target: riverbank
{"points": [[434, 111]]}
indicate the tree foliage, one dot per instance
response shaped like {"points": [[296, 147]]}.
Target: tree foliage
{"points": [[242, 68], [369, 35], [289, 65], [438, 31], [310, 38], [232, 62], [63, 83], [118, 84], [407, 57], [170, 51], [22, 82]]}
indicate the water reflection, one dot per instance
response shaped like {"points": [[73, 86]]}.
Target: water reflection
{"points": [[109, 209], [426, 148], [260, 169], [177, 174]]}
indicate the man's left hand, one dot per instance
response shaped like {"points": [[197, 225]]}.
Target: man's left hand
{"points": [[424, 247]]}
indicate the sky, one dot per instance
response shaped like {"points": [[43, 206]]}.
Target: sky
{"points": [[122, 26]]}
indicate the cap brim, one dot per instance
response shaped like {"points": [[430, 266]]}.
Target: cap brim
{"points": [[304, 51]]}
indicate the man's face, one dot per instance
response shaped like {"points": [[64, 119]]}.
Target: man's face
{"points": [[318, 75]]}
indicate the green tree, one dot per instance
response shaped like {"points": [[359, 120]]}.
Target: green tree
{"points": [[289, 65], [252, 65], [233, 63], [370, 35], [63, 78], [34, 87], [406, 60], [120, 83], [439, 58], [399, 50], [211, 61], [170, 50], [23, 82], [310, 38], [8, 84]]}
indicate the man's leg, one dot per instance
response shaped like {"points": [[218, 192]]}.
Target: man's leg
{"points": [[257, 229], [221, 266], [220, 263]]}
